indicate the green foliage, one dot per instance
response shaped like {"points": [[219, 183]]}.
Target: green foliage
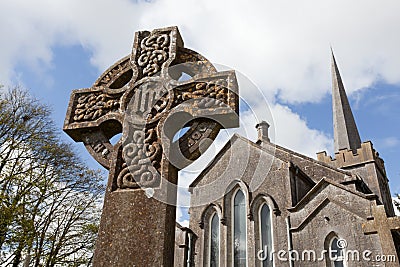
{"points": [[49, 200]]}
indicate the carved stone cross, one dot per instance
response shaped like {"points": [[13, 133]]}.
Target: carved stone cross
{"points": [[143, 97], [383, 226]]}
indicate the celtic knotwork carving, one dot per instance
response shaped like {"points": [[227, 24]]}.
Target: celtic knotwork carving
{"points": [[199, 132], [125, 179], [93, 106], [147, 101], [211, 94], [136, 95], [100, 148], [159, 108], [154, 52], [142, 156], [153, 149]]}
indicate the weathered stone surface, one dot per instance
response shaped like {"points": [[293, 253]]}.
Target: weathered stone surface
{"points": [[368, 165], [345, 130], [142, 97], [330, 207], [184, 252], [135, 231], [311, 201], [383, 226]]}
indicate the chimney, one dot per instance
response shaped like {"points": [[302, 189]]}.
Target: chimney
{"points": [[262, 129]]}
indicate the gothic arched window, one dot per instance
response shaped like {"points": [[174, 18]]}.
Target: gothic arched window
{"points": [[214, 241], [239, 230], [266, 234], [335, 252]]}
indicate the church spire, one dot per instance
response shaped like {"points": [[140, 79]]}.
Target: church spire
{"points": [[345, 129]]}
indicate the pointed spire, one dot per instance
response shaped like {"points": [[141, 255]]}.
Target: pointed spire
{"points": [[345, 129]]}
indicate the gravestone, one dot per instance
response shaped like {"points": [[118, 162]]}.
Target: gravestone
{"points": [[149, 96]]}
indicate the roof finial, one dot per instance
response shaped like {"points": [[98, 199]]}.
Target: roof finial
{"points": [[345, 129]]}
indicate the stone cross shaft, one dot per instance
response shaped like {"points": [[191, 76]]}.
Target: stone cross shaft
{"points": [[383, 226], [149, 96]]}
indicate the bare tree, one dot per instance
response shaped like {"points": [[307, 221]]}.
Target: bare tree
{"points": [[49, 200]]}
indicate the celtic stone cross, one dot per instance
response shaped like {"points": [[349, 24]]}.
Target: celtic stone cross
{"points": [[144, 97], [383, 226]]}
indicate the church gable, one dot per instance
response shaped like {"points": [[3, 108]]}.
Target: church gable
{"points": [[239, 159], [239, 151], [329, 221], [263, 197], [254, 163], [325, 213], [263, 168], [308, 203], [327, 191]]}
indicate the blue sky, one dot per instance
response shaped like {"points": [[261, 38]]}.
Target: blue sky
{"points": [[53, 47]]}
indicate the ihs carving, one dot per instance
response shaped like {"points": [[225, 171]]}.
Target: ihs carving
{"points": [[141, 86]]}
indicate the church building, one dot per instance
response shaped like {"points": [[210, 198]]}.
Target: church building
{"points": [[293, 210]]}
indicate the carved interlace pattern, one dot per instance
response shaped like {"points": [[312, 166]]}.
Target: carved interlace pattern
{"points": [[199, 132], [211, 94], [153, 149], [154, 52], [159, 108], [143, 156], [125, 179], [139, 158], [92, 106]]}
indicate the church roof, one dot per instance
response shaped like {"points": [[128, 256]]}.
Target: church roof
{"points": [[324, 182], [341, 196], [278, 152]]}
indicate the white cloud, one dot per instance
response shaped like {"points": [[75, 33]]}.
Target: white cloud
{"points": [[30, 30], [293, 132], [182, 217], [391, 142], [283, 46]]}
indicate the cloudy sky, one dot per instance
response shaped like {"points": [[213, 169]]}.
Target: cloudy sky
{"points": [[282, 47]]}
